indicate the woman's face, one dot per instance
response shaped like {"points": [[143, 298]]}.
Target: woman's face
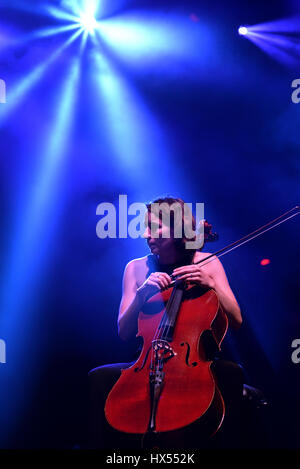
{"points": [[158, 235]]}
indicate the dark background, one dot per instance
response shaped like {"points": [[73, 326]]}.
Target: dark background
{"points": [[201, 113]]}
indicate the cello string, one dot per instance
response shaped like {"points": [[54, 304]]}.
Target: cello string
{"points": [[162, 325], [176, 313], [168, 315], [166, 324]]}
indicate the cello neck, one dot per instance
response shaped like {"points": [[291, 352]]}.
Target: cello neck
{"points": [[168, 321]]}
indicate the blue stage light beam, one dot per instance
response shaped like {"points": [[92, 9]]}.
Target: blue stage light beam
{"points": [[146, 38], [18, 39], [135, 138], [279, 39], [82, 14], [45, 32], [7, 39], [284, 26], [282, 49], [19, 91], [75, 15], [64, 12], [31, 246]]}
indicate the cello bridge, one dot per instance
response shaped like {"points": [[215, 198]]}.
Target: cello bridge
{"points": [[162, 350]]}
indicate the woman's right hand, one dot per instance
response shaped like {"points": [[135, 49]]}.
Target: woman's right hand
{"points": [[157, 281]]}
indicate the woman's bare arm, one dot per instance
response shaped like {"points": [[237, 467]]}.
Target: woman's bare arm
{"points": [[134, 297]]}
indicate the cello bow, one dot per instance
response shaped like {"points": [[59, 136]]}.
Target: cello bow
{"points": [[249, 237]]}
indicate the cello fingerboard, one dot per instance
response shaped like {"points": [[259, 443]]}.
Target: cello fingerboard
{"points": [[168, 321]]}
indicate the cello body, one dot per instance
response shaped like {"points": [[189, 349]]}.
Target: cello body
{"points": [[189, 389]]}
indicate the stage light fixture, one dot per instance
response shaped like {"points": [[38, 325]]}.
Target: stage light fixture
{"points": [[243, 30], [88, 22]]}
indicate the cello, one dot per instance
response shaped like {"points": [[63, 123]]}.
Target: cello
{"points": [[172, 356], [160, 392], [171, 385]]}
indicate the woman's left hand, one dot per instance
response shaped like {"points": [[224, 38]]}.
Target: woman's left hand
{"points": [[194, 274]]}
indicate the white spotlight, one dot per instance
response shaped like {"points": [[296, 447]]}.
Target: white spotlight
{"points": [[88, 22], [243, 30]]}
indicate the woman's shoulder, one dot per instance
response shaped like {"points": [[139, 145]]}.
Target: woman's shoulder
{"points": [[140, 262], [139, 268], [199, 255]]}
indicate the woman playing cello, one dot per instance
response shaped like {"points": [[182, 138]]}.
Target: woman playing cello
{"points": [[144, 278]]}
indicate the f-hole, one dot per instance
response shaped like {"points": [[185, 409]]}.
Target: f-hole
{"points": [[187, 356]]}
